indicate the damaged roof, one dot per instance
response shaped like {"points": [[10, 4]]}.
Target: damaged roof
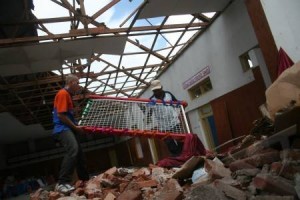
{"points": [[116, 48]]}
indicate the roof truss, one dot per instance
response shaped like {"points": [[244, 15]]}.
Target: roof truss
{"points": [[152, 45]]}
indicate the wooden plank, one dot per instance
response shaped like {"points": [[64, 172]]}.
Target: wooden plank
{"points": [[105, 8], [97, 31], [36, 21], [264, 35], [100, 30]]}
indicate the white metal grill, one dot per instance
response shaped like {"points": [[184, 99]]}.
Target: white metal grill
{"points": [[139, 117]]}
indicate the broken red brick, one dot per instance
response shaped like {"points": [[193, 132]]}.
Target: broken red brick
{"points": [[79, 191], [142, 171], [80, 184], [36, 194], [255, 148], [276, 167], [130, 195], [54, 195], [216, 170], [246, 172], [272, 197], [110, 182], [263, 158], [157, 173], [111, 171], [274, 184], [93, 188], [148, 183], [110, 196], [122, 186], [171, 191], [286, 170], [230, 191], [290, 154], [239, 165], [205, 192], [93, 184], [148, 193], [255, 161], [91, 194]]}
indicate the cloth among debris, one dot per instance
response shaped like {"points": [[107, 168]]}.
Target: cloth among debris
{"points": [[284, 61], [192, 147], [198, 173]]}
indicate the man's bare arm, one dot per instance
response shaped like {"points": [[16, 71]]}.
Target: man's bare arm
{"points": [[64, 118]]}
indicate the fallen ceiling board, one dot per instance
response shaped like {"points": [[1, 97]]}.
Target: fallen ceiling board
{"points": [[13, 131], [50, 56], [157, 8]]}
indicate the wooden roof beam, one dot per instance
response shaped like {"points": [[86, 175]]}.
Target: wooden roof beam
{"points": [[80, 96], [36, 21], [114, 88], [22, 101], [102, 10], [152, 46], [97, 31], [47, 80], [125, 72]]}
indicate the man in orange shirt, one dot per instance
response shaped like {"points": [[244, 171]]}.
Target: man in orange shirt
{"points": [[65, 131]]}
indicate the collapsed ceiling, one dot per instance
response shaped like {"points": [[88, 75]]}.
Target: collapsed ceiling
{"points": [[117, 57]]}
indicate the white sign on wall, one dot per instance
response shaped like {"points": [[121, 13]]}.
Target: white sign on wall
{"points": [[203, 73]]}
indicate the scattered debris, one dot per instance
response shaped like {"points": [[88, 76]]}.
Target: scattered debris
{"points": [[260, 167]]}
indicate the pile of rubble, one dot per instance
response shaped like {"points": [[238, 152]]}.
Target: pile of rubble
{"points": [[254, 172], [264, 165], [123, 183]]}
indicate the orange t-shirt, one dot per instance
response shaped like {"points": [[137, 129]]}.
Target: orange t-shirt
{"points": [[62, 104]]}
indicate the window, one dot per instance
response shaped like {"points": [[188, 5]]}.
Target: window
{"points": [[201, 88], [246, 62]]}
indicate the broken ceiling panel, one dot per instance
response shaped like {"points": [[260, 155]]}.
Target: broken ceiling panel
{"points": [[50, 56], [157, 8], [75, 49], [9, 124]]}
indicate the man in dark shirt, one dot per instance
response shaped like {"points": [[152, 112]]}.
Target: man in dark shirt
{"points": [[166, 116]]}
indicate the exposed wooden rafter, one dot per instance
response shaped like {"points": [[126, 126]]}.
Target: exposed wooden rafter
{"points": [[29, 97]]}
